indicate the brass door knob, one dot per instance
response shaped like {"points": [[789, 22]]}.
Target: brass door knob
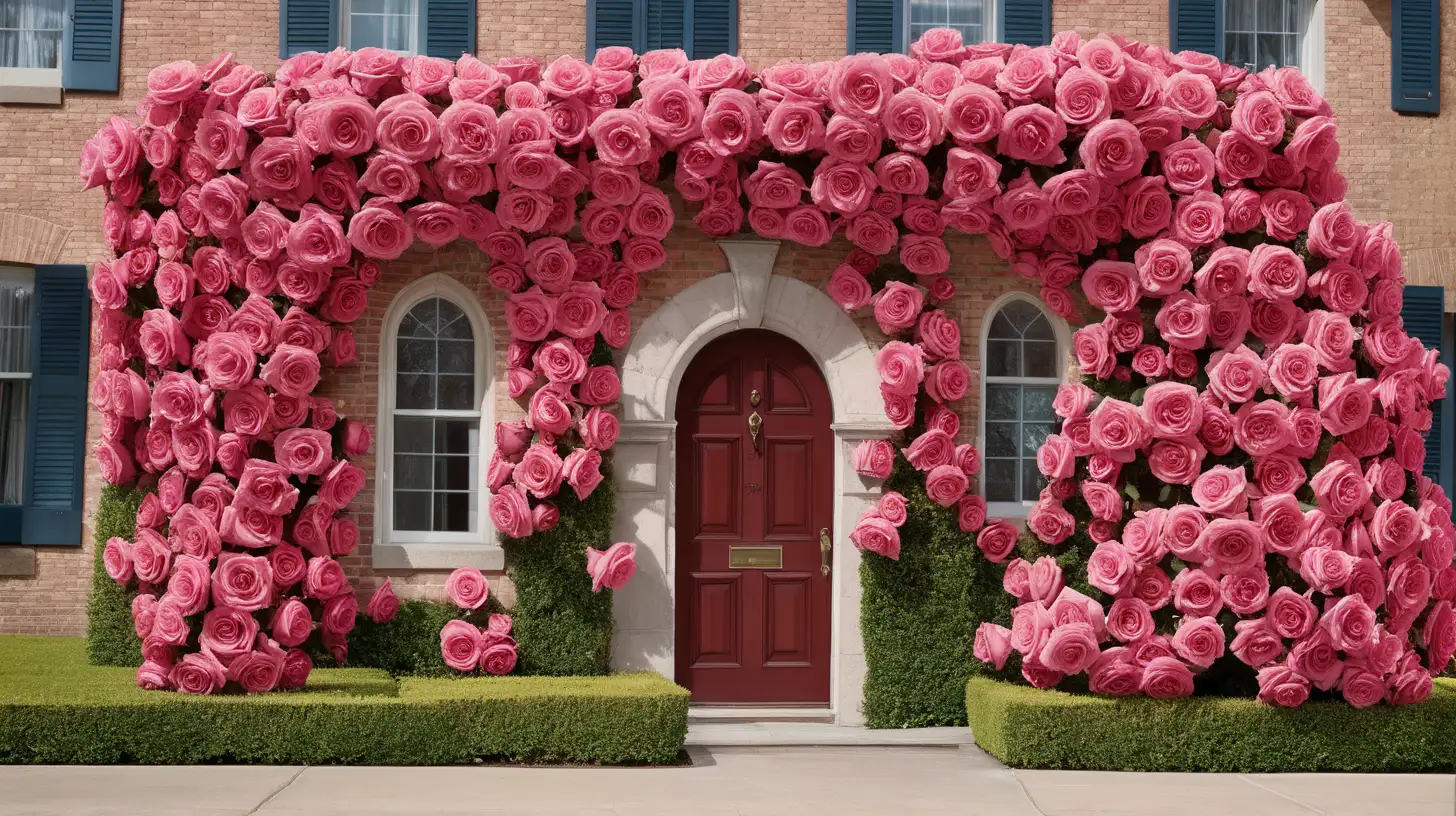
{"points": [[755, 427]]}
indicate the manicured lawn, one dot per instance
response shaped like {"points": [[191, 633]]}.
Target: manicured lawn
{"points": [[1031, 728], [55, 708]]}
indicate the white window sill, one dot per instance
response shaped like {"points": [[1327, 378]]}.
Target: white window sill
{"points": [[438, 556], [30, 86], [1014, 512]]}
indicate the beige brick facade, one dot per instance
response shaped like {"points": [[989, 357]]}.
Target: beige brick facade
{"points": [[1398, 166]]}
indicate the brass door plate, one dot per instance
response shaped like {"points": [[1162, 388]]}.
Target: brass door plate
{"points": [[757, 557]]}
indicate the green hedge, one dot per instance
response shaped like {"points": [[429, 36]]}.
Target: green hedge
{"points": [[1032, 728], [55, 709], [110, 635], [919, 614]]}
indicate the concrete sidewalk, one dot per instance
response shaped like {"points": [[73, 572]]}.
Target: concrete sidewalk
{"points": [[789, 781]]}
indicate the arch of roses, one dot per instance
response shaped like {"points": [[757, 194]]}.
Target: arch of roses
{"points": [[1237, 473]]}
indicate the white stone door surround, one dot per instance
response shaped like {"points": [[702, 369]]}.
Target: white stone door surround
{"points": [[749, 296]]}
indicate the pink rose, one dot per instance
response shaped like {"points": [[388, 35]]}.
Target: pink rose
{"points": [[460, 645], [1070, 649], [612, 568], [292, 623], [380, 231], [874, 458], [992, 644], [1033, 133], [1281, 685], [877, 535], [197, 673], [467, 588], [582, 471], [243, 582], [1113, 151], [1231, 544]]}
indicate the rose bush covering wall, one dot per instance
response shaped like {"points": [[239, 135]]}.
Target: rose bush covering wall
{"points": [[1251, 338]]}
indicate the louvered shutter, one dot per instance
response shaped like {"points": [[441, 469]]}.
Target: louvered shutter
{"points": [[449, 27], [1415, 59], [307, 25], [56, 441], [1196, 25], [1424, 316], [876, 26], [663, 25], [611, 22], [92, 56], [1028, 22], [714, 28]]}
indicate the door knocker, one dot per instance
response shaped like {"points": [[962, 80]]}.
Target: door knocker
{"points": [[755, 426]]}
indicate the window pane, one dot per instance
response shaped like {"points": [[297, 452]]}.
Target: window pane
{"points": [[1001, 439], [411, 510], [454, 472], [966, 16], [1271, 49], [397, 31], [414, 391], [1040, 359], [1239, 15], [14, 408], [1270, 15], [16, 295], [1003, 358], [457, 356], [457, 393], [1002, 401], [366, 31], [1032, 435], [456, 435], [414, 434], [1238, 49], [417, 356], [412, 472], [453, 512], [1036, 403], [1000, 480], [30, 33], [1031, 480]]}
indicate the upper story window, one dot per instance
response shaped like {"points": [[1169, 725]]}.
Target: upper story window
{"points": [[17, 298], [30, 33], [1022, 354], [702, 28], [435, 412], [1261, 33], [973, 18], [391, 24]]}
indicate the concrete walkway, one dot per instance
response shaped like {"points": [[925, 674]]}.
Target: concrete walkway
{"points": [[789, 781]]}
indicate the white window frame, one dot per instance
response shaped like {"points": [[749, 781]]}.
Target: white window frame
{"points": [[1310, 40], [21, 274], [1063, 334], [424, 550], [991, 23], [36, 86], [346, 17]]}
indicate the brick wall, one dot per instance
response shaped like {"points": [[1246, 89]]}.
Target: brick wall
{"points": [[1396, 165]]}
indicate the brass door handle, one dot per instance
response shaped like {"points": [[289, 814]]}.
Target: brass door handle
{"points": [[755, 426], [826, 551]]}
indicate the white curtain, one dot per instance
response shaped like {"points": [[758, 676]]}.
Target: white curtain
{"points": [[16, 293], [30, 33], [382, 24]]}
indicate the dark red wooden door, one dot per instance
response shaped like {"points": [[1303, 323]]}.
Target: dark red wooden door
{"points": [[753, 603]]}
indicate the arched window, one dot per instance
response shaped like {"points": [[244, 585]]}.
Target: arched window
{"points": [[434, 417], [1022, 355]]}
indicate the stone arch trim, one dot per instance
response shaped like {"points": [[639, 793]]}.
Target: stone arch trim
{"points": [[25, 239], [750, 296], [747, 296]]}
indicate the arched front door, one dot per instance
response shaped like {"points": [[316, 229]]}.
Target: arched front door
{"points": [[753, 594]]}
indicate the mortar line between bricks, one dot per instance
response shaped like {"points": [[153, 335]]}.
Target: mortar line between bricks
{"points": [[1282, 795], [281, 788]]}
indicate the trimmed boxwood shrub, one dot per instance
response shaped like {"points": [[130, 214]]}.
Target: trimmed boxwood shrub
{"points": [[1034, 728], [110, 635], [919, 614], [55, 709]]}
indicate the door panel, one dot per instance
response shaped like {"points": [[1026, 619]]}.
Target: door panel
{"points": [[753, 631]]}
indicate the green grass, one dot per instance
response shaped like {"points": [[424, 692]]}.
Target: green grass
{"points": [[57, 709], [1032, 728]]}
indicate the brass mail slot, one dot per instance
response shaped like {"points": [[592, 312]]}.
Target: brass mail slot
{"points": [[755, 557]]}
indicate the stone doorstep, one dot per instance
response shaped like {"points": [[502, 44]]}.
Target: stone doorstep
{"points": [[746, 714], [807, 734]]}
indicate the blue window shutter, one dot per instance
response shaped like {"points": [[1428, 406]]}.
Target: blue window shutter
{"points": [[876, 26], [1196, 25], [1028, 22], [307, 25], [91, 59], [1424, 316], [1415, 59], [612, 22], [449, 28], [55, 445], [664, 24], [712, 28]]}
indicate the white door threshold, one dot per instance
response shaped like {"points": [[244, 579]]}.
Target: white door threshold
{"points": [[800, 734], [743, 714]]}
